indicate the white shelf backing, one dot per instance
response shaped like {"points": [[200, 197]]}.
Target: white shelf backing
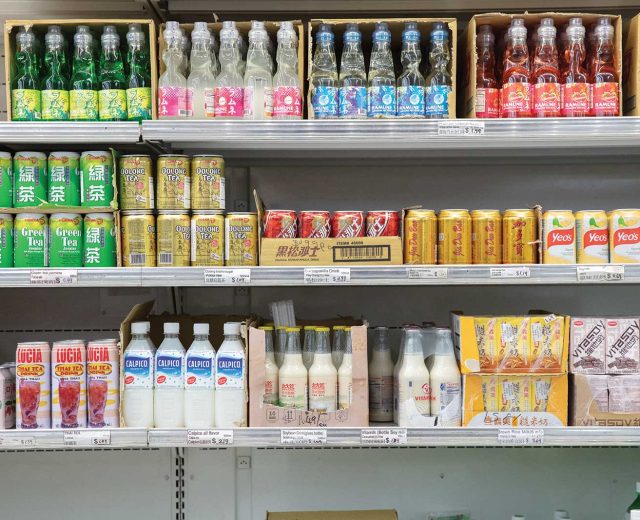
{"points": [[112, 133]]}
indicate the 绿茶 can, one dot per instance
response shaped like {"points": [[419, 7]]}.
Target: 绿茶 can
{"points": [[30, 240], [99, 240], [64, 178], [65, 240], [30, 179], [6, 240], [96, 179]]}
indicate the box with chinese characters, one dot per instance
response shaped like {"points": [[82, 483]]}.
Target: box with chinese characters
{"points": [[605, 400]]}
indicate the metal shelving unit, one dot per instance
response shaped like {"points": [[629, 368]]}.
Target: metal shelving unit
{"points": [[69, 132]]}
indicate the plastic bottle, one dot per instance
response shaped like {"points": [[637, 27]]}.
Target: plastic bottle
{"points": [[324, 76], [438, 81], [25, 85], [411, 81], [229, 92], [381, 378], [575, 90], [445, 382], [270, 369], [633, 511], [345, 372], [323, 376], [113, 83], [337, 345], [545, 74], [199, 392], [172, 85], [309, 345], [231, 380], [605, 89], [139, 76], [292, 378], [83, 87], [516, 96], [280, 345], [258, 81], [55, 83], [201, 82], [170, 378], [287, 91], [487, 91], [413, 400], [382, 78], [137, 398], [353, 76]]}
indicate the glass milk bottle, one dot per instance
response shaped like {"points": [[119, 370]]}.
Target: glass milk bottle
{"points": [[231, 380], [287, 92], [292, 378], [229, 92], [445, 382], [258, 82], [381, 378], [168, 409], [280, 345], [309, 345], [200, 380], [345, 372], [270, 369], [172, 85], [200, 85], [414, 392], [337, 345], [323, 376], [137, 401], [323, 84]]}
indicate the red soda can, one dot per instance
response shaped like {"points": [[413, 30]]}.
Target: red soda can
{"points": [[382, 223], [315, 224], [280, 223], [347, 224]]}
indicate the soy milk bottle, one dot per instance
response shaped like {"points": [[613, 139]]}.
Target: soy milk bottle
{"points": [[323, 376], [292, 378], [445, 382], [413, 399]]}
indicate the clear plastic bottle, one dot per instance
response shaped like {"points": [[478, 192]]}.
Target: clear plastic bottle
{"points": [[575, 90], [413, 400], [270, 369], [345, 372], [137, 399], [199, 392], [55, 84], [545, 73], [292, 378], [411, 82], [445, 381], [229, 92], [381, 378], [487, 91], [438, 81], [337, 345], [139, 76], [287, 91], [231, 380], [83, 87], [382, 78], [605, 89], [112, 96], [516, 95], [25, 85], [201, 82], [353, 76], [172, 85], [323, 376], [169, 385], [258, 81], [324, 76], [396, 372]]}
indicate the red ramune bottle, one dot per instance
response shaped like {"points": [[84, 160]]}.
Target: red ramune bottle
{"points": [[545, 75], [605, 93], [487, 92], [516, 96], [575, 91]]}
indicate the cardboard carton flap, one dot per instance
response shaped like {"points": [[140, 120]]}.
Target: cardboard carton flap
{"points": [[381, 514]]}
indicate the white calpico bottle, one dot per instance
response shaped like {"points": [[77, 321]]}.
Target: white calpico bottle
{"points": [[169, 382], [137, 400], [200, 380], [231, 380]]}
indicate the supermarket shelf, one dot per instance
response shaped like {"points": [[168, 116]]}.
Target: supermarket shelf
{"points": [[86, 439], [69, 132]]}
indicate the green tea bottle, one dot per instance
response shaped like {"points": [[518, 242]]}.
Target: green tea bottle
{"points": [[55, 86], [25, 85], [112, 80], [139, 78], [83, 88]]}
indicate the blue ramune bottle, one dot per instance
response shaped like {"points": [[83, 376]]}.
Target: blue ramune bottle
{"points": [[353, 76], [438, 82], [382, 78], [324, 76], [411, 81]]}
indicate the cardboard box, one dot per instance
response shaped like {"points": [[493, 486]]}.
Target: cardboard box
{"points": [[586, 399], [587, 345], [382, 514], [267, 415], [631, 69], [68, 27], [622, 345], [396, 26], [501, 21]]}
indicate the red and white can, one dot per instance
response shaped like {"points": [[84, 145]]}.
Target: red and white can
{"points": [[33, 385], [103, 384], [69, 384], [383, 223], [347, 224], [280, 223], [315, 224]]}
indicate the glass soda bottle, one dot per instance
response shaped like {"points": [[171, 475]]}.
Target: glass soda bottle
{"points": [[258, 81], [139, 77], [381, 378], [83, 87], [185, 49], [55, 84], [487, 91], [353, 76], [172, 85], [324, 76], [575, 90], [229, 95], [243, 49], [438, 81], [411, 81], [25, 85], [113, 94], [201, 82], [605, 93], [545, 74], [382, 78], [516, 97], [287, 91]]}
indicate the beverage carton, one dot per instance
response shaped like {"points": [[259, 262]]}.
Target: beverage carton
{"points": [[622, 345], [587, 346], [7, 398]]}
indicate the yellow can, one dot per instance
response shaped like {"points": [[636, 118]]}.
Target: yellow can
{"points": [[486, 236], [624, 230], [207, 238], [454, 236], [138, 231], [207, 182], [136, 182], [174, 239], [174, 182], [592, 237], [520, 236], [420, 236], [558, 237], [241, 239]]}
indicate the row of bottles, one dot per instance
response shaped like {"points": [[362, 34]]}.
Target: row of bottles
{"points": [[240, 83], [93, 83], [354, 94]]}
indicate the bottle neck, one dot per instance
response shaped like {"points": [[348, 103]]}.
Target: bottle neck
{"points": [[139, 337], [83, 52], [170, 335], [201, 337], [232, 337]]}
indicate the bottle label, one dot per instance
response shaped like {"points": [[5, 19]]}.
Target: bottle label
{"points": [[487, 103], [605, 99], [138, 370], [411, 101], [200, 372], [230, 370], [325, 102], [55, 105], [189, 102], [139, 103], [25, 105], [209, 103], [250, 102], [287, 101], [172, 102], [546, 98], [353, 102], [437, 100], [516, 100], [169, 370], [381, 394], [84, 105], [113, 105], [382, 101], [450, 405], [575, 99], [293, 393], [229, 102]]}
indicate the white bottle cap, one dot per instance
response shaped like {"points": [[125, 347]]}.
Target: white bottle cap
{"points": [[147, 324], [171, 328], [637, 487], [232, 329], [200, 329], [139, 327]]}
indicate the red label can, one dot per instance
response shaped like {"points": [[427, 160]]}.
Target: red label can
{"points": [[347, 224], [315, 224], [280, 223], [382, 223]]}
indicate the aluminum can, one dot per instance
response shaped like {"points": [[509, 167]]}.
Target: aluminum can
{"points": [[520, 236], [486, 236], [454, 236]]}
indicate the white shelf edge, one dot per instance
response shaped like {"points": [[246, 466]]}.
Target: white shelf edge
{"points": [[71, 132]]}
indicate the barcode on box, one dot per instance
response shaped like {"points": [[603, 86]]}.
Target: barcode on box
{"points": [[165, 258], [362, 253], [137, 259]]}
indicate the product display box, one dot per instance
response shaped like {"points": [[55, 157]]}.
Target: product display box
{"points": [[381, 514], [602, 400]]}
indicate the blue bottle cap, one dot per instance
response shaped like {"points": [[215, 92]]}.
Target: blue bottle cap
{"points": [[411, 33], [382, 33], [352, 33], [439, 32]]}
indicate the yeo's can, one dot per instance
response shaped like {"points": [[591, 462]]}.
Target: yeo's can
{"points": [[420, 237], [103, 384], [454, 236], [30, 240], [207, 179], [486, 236], [65, 240], [624, 230], [520, 236], [99, 248], [558, 237], [69, 384], [174, 239], [64, 178], [136, 182], [314, 224], [383, 223], [6, 180], [241, 239], [592, 237], [207, 238], [347, 224], [96, 179], [6, 240], [174, 182], [138, 238], [33, 385], [280, 223], [30, 179]]}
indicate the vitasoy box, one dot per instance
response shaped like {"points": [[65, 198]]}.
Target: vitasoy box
{"points": [[103, 384], [587, 346], [623, 345], [33, 385], [68, 388]]}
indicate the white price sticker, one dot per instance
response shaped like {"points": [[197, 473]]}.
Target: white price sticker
{"points": [[209, 437], [303, 437], [327, 275], [227, 276], [86, 438], [438, 273], [600, 273], [54, 277], [521, 437], [471, 128], [383, 436], [510, 272], [17, 441]]}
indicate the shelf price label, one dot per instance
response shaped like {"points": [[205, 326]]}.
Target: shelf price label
{"points": [[54, 277], [600, 273], [520, 271], [209, 437], [86, 438], [18, 441], [521, 437], [383, 436], [430, 273], [326, 275], [227, 276], [471, 128], [303, 437]]}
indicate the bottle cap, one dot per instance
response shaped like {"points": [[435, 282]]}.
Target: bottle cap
{"points": [[546, 29], [257, 33], [232, 328], [266, 327], [110, 35], [200, 32], [604, 29], [410, 32], [293, 329], [229, 31], [139, 327], [517, 29], [25, 37], [172, 33], [201, 329], [322, 329], [286, 32], [324, 33], [352, 33], [382, 32], [576, 29], [171, 328], [54, 36], [439, 32], [310, 327], [83, 36], [485, 35], [135, 34]]}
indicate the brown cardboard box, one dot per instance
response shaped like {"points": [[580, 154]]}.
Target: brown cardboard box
{"points": [[382, 514], [68, 28], [631, 69], [586, 411]]}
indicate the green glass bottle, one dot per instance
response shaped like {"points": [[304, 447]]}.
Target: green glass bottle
{"points": [[139, 77], [83, 88], [112, 80], [55, 86], [25, 85]]}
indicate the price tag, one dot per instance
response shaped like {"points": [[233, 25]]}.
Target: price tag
{"points": [[521, 437], [326, 275], [18, 441], [303, 437], [209, 437], [600, 273], [86, 438], [54, 277], [471, 128], [510, 272], [227, 276], [439, 273], [383, 436]]}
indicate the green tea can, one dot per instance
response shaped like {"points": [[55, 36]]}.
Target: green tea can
{"points": [[30, 240], [96, 179], [30, 184], [65, 240], [64, 178], [99, 247]]}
